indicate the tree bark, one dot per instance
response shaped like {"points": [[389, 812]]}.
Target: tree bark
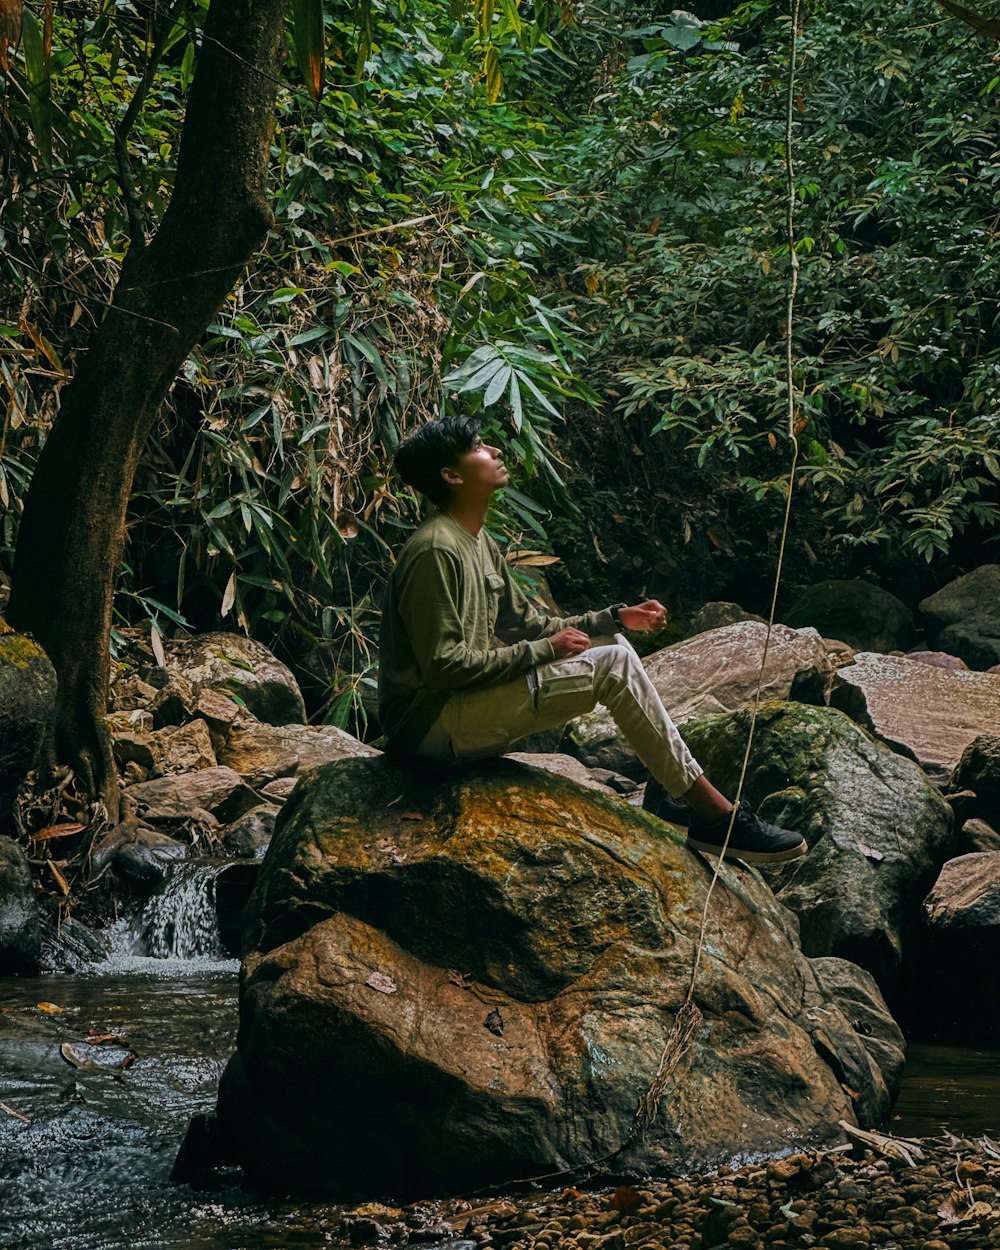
{"points": [[73, 528]]}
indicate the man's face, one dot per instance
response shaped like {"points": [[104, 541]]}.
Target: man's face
{"points": [[479, 471]]}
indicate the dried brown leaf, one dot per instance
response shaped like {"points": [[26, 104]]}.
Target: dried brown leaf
{"points": [[379, 981], [56, 831]]}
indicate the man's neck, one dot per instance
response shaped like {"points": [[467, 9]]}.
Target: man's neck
{"points": [[470, 514]]}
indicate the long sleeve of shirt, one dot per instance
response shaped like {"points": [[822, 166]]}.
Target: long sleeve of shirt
{"points": [[454, 619]]}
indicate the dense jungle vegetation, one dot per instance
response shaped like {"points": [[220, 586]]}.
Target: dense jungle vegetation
{"points": [[569, 218]]}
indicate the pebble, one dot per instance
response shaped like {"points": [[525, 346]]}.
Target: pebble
{"points": [[831, 1200]]}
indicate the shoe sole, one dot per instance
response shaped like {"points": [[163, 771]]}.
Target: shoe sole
{"points": [[749, 857]]}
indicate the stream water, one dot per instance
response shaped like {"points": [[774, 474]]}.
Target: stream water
{"points": [[88, 1165]]}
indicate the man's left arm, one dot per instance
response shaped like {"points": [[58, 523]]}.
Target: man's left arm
{"points": [[518, 618]]}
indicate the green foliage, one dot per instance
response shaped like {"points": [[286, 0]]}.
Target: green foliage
{"points": [[399, 255], [605, 234], [679, 202]]}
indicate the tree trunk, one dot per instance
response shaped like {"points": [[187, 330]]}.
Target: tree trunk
{"points": [[72, 532]]}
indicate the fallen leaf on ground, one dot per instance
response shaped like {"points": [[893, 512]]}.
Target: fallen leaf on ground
{"points": [[870, 852], [379, 981], [56, 831], [49, 1009], [626, 1199]]}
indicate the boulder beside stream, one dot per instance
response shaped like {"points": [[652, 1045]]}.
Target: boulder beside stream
{"points": [[878, 831], [27, 697], [457, 977]]}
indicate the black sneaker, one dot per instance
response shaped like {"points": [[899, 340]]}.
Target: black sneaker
{"points": [[752, 839]]}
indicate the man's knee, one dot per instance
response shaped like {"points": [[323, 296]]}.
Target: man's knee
{"points": [[615, 666]]}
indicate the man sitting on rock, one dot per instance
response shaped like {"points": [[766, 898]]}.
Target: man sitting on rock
{"points": [[467, 665]]}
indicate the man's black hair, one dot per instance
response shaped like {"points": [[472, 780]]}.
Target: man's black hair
{"points": [[422, 455]]}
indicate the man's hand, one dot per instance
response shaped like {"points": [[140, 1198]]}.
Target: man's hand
{"points": [[644, 616], [569, 641]]}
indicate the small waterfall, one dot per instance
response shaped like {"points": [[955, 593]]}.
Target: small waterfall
{"points": [[177, 927], [179, 921]]}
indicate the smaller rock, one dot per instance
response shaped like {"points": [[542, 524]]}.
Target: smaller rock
{"points": [[249, 836], [71, 946], [218, 711], [716, 615], [138, 720], [937, 659], [135, 746], [260, 753], [144, 860], [184, 748], [977, 835], [133, 773], [131, 694], [174, 702], [241, 667], [979, 770], [966, 895], [280, 789], [219, 791], [861, 613], [20, 931], [965, 616]]}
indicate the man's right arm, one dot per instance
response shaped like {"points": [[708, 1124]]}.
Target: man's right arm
{"points": [[430, 607]]}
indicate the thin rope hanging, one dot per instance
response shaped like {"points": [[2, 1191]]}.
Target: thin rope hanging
{"points": [[688, 1018]]}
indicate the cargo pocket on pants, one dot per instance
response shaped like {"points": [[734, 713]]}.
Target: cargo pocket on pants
{"points": [[565, 689]]}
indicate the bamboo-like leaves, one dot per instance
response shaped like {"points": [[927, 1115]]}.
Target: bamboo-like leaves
{"points": [[494, 75], [307, 24], [10, 27], [39, 87]]}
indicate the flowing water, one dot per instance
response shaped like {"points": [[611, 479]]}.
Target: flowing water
{"points": [[88, 1166]]}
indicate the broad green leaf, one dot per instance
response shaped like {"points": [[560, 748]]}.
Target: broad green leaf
{"points": [[497, 386]]}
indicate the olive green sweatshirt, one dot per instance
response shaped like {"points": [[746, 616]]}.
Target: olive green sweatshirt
{"points": [[453, 619]]}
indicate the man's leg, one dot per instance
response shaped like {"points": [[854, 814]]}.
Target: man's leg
{"points": [[481, 723], [477, 723]]}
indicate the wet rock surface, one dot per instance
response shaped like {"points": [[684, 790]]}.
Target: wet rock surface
{"points": [[878, 831], [455, 977], [932, 714], [20, 932]]}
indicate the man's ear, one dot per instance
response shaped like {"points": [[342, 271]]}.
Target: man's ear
{"points": [[451, 475]]}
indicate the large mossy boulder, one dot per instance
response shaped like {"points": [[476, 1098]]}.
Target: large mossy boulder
{"points": [[878, 831], [861, 613], [716, 671], [27, 698], [457, 977]]}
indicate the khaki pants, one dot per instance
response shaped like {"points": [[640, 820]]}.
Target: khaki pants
{"points": [[476, 723]]}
